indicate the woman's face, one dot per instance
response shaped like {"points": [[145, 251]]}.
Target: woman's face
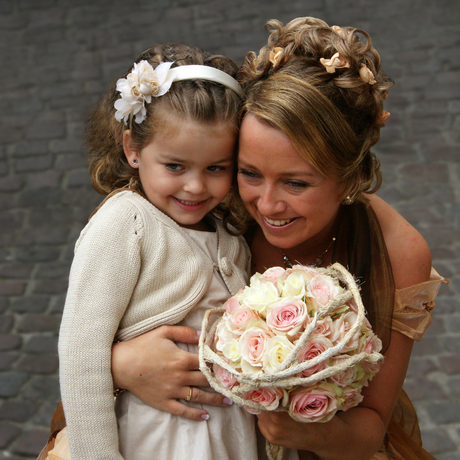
{"points": [[290, 200]]}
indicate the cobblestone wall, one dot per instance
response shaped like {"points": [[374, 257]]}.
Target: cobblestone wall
{"points": [[58, 56]]}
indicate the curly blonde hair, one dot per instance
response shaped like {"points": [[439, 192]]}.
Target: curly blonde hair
{"points": [[197, 100], [333, 119]]}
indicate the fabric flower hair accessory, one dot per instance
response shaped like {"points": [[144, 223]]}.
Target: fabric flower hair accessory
{"points": [[366, 75], [275, 55], [337, 61], [138, 88]]}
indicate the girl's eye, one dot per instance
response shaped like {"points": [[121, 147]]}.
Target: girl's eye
{"points": [[174, 167], [215, 168]]}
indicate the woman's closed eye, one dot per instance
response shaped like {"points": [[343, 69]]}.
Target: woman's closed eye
{"points": [[297, 185], [248, 173]]}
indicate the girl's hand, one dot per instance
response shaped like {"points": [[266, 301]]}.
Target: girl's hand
{"points": [[160, 374]]}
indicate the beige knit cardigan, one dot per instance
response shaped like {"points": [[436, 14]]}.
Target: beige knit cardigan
{"points": [[134, 269]]}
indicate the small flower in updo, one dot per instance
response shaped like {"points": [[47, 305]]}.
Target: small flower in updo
{"points": [[275, 55], [366, 75], [339, 31], [383, 118], [336, 62], [138, 88]]}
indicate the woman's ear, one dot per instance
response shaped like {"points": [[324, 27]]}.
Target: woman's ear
{"points": [[131, 154]]}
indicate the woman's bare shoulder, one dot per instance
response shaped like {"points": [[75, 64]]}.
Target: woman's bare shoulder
{"points": [[409, 253]]}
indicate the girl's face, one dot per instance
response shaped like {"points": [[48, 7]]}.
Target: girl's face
{"points": [[186, 170], [290, 200]]}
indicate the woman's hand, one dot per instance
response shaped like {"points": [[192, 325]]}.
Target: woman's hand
{"points": [[159, 373], [352, 435]]}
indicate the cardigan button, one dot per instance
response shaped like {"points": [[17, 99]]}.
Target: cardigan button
{"points": [[226, 267]]}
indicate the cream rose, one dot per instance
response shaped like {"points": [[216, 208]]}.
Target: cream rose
{"points": [[277, 350], [231, 351], [294, 285], [258, 297]]}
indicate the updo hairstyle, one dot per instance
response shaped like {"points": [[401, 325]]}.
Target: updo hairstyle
{"points": [[333, 119], [196, 100]]}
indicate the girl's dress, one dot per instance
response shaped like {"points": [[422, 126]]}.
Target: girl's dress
{"points": [[147, 433]]}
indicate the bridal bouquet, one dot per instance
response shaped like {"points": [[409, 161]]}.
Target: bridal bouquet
{"points": [[294, 340]]}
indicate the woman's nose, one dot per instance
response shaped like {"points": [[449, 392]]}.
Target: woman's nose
{"points": [[269, 202]]}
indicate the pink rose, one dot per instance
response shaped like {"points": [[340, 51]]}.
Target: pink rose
{"points": [[239, 318], [223, 335], [253, 344], [315, 346], [231, 304], [267, 397], [370, 343], [286, 316], [323, 288], [325, 327], [351, 397], [224, 377], [307, 272], [315, 404], [272, 274], [346, 377], [342, 326]]}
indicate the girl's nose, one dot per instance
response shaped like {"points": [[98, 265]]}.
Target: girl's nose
{"points": [[195, 185]]}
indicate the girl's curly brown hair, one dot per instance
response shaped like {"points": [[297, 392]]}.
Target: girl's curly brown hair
{"points": [[197, 100]]}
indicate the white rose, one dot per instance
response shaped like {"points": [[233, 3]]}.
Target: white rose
{"points": [[231, 350], [277, 350], [258, 297], [294, 286]]}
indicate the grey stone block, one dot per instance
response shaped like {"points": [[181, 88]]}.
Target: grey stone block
{"points": [[10, 384]]}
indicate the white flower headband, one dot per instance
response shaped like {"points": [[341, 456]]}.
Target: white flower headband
{"points": [[145, 82]]}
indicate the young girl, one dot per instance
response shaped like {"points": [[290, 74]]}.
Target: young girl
{"points": [[161, 144]]}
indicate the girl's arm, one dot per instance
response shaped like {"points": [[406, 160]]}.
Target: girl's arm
{"points": [[358, 433], [103, 276]]}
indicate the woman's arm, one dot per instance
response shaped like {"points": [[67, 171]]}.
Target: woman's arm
{"points": [[358, 433], [159, 373]]}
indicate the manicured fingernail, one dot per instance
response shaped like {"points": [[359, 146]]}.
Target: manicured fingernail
{"points": [[198, 333], [205, 416], [228, 401]]}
